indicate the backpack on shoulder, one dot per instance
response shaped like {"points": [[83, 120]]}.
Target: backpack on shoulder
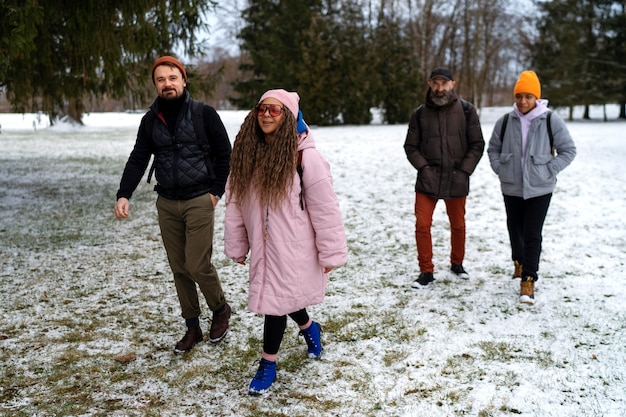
{"points": [[466, 111], [506, 119], [197, 116]]}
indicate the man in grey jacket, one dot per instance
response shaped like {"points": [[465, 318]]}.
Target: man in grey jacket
{"points": [[444, 143]]}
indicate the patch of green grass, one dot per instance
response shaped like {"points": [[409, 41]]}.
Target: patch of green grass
{"points": [[393, 356], [423, 392], [497, 351]]}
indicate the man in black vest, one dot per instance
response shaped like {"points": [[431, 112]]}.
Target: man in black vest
{"points": [[191, 176]]}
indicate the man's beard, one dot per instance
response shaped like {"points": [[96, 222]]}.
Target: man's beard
{"points": [[442, 101], [170, 97]]}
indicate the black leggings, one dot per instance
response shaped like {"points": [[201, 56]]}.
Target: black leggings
{"points": [[274, 329], [524, 219]]}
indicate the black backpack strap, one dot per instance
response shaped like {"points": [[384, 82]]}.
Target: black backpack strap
{"points": [[197, 115], [503, 128], [300, 171], [418, 118], [151, 172], [466, 111], [550, 135], [465, 105], [149, 126]]}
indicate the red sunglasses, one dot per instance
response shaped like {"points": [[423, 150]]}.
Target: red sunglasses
{"points": [[274, 109]]}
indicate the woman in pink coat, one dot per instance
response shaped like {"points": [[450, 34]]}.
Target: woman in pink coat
{"points": [[283, 211]]}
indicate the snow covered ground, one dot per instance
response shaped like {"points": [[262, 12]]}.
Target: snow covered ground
{"points": [[78, 288]]}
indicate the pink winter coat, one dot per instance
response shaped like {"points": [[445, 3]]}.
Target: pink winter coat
{"points": [[289, 247]]}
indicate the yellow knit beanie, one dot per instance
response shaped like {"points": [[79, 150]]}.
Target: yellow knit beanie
{"points": [[528, 82]]}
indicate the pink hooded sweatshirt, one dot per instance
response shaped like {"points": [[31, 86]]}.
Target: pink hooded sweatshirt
{"points": [[289, 247]]}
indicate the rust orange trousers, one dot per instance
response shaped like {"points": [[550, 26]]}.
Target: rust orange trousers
{"points": [[424, 209]]}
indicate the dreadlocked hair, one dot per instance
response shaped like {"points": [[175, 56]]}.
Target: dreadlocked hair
{"points": [[267, 168]]}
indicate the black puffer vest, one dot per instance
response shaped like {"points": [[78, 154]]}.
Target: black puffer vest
{"points": [[180, 166]]}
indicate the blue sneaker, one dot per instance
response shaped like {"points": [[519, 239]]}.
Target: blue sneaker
{"points": [[313, 341], [262, 381]]}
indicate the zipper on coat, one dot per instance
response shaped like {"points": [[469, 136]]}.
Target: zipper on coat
{"points": [[177, 146], [442, 132], [265, 233]]}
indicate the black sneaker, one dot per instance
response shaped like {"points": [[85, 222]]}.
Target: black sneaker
{"points": [[459, 271], [423, 280]]}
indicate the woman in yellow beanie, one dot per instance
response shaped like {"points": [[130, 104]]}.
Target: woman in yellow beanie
{"points": [[521, 154]]}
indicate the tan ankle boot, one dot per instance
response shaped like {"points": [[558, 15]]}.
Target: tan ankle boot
{"points": [[517, 272], [527, 291]]}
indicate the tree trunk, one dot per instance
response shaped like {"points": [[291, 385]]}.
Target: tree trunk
{"points": [[586, 112], [75, 110]]}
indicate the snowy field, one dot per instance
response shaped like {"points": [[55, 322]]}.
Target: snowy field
{"points": [[79, 289]]}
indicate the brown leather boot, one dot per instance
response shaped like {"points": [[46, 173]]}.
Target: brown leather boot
{"points": [[517, 271], [193, 336], [219, 324], [527, 291]]}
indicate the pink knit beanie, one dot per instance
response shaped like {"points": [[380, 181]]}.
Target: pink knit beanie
{"points": [[289, 99]]}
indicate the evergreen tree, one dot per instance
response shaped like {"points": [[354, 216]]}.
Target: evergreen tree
{"points": [[318, 48], [271, 42], [400, 87], [614, 40], [54, 54], [569, 53], [356, 65], [320, 78]]}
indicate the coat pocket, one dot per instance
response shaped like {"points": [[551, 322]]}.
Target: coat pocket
{"points": [[538, 172], [506, 170], [459, 184], [428, 180]]}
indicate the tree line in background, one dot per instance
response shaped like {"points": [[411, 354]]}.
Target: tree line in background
{"points": [[581, 51], [344, 57], [348, 56], [56, 55]]}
